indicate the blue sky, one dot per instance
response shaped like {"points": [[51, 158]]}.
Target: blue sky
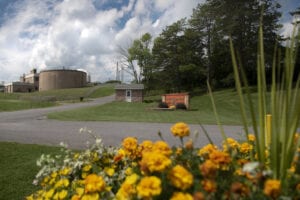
{"points": [[84, 34]]}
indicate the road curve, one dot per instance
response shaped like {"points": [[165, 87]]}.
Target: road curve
{"points": [[33, 127]]}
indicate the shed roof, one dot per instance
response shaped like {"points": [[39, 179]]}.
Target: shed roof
{"points": [[129, 87]]}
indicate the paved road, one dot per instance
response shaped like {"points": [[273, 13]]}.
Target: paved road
{"points": [[32, 126]]}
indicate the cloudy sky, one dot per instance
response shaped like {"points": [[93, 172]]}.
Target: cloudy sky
{"points": [[84, 34]]}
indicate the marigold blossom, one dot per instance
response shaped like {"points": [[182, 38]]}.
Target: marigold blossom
{"points": [[207, 149], [245, 147], [272, 188], [94, 183], [209, 185], [149, 187], [154, 162], [208, 169], [180, 129], [181, 196], [180, 177], [162, 147], [222, 159]]}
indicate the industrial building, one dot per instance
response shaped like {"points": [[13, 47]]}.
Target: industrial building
{"points": [[48, 80], [61, 78]]}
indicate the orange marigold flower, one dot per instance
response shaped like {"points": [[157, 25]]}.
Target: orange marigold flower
{"points": [[181, 196], [149, 187], [130, 144], [209, 185], [189, 144], [222, 159], [180, 177], [272, 188], [239, 189], [154, 162], [207, 149], [208, 169], [180, 129], [94, 183], [198, 196]]}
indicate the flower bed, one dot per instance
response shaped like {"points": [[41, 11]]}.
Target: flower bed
{"points": [[154, 170]]}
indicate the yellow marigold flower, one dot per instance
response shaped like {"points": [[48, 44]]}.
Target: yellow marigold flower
{"points": [[207, 149], [209, 185], [121, 153], [180, 177], [149, 187], [154, 162], [109, 171], [251, 137], [127, 189], [272, 188], [208, 169], [30, 197], [222, 159], [94, 183], [181, 196], [49, 193], [246, 147], [178, 151], [62, 183], [162, 147], [62, 194], [180, 129], [128, 171], [79, 191], [87, 168], [232, 144], [76, 197], [146, 146], [53, 174], [93, 196], [65, 171]]}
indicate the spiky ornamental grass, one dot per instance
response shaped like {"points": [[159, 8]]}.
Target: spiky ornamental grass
{"points": [[284, 107]]}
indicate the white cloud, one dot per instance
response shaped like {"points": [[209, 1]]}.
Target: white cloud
{"points": [[74, 33]]}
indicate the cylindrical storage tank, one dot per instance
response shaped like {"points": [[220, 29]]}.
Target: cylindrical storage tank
{"points": [[59, 79]]}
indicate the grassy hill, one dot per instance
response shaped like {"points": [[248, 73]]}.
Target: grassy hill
{"points": [[20, 101]]}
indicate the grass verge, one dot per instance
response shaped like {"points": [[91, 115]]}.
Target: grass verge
{"points": [[18, 168]]}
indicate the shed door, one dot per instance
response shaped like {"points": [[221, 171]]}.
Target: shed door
{"points": [[128, 95]]}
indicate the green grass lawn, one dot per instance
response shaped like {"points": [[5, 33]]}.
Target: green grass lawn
{"points": [[21, 101], [200, 111], [18, 168]]}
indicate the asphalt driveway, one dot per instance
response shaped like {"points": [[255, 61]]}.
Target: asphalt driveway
{"points": [[33, 127]]}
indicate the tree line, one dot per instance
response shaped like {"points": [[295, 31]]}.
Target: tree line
{"points": [[191, 52]]}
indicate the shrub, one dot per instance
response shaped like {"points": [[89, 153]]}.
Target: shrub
{"points": [[181, 106], [163, 105]]}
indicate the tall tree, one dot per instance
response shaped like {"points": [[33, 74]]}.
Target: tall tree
{"points": [[140, 51]]}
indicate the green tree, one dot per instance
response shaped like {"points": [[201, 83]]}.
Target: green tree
{"points": [[140, 51]]}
